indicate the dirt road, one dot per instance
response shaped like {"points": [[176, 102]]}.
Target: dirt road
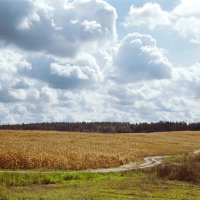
{"points": [[148, 163]]}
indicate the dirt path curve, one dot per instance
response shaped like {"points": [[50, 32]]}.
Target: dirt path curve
{"points": [[148, 163], [197, 151]]}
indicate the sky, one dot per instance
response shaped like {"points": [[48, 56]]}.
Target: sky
{"points": [[99, 60]]}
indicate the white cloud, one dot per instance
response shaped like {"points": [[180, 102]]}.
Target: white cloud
{"points": [[150, 15], [91, 26], [184, 18], [175, 99], [139, 59], [189, 28], [82, 72], [75, 72], [187, 8], [187, 20], [48, 95], [46, 26]]}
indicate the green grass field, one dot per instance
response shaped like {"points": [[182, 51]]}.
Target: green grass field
{"points": [[136, 185]]}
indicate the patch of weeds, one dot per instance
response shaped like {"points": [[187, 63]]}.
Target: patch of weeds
{"points": [[24, 179], [187, 171], [181, 158], [4, 193], [69, 177]]}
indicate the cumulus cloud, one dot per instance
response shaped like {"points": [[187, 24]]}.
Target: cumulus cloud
{"points": [[172, 99], [68, 45], [187, 8], [150, 15], [56, 27], [11, 63], [189, 28], [184, 18], [187, 20], [169, 99], [80, 73], [138, 59], [189, 79]]}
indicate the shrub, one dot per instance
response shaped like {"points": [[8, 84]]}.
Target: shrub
{"points": [[188, 171], [164, 170]]}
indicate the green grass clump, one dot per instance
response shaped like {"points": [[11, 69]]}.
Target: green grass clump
{"points": [[19, 179], [24, 179], [180, 158]]}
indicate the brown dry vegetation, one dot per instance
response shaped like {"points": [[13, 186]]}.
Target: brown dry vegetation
{"points": [[187, 171], [62, 150]]}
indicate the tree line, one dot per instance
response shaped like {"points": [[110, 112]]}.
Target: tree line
{"points": [[106, 127]]}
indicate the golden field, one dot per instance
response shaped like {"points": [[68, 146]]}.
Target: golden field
{"points": [[63, 150]]}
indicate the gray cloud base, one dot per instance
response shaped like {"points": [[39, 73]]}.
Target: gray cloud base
{"points": [[53, 28]]}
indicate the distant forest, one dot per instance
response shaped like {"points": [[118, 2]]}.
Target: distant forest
{"points": [[106, 127]]}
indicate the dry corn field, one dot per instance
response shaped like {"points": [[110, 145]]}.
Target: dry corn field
{"points": [[63, 150]]}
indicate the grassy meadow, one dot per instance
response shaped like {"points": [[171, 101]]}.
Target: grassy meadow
{"points": [[85, 186], [72, 151]]}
